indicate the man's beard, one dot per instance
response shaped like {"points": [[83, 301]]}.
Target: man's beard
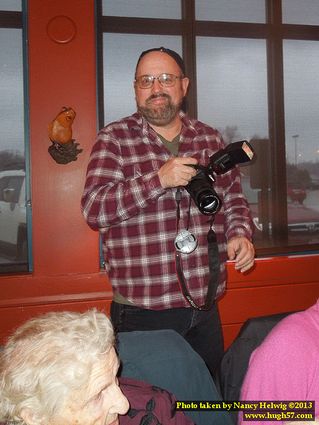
{"points": [[159, 115]]}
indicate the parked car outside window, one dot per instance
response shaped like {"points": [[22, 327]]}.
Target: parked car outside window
{"points": [[13, 234], [303, 218]]}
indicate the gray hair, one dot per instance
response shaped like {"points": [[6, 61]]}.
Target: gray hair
{"points": [[49, 357]]}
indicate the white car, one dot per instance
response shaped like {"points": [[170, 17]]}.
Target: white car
{"points": [[13, 227]]}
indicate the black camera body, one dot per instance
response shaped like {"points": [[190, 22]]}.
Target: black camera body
{"points": [[201, 187]]}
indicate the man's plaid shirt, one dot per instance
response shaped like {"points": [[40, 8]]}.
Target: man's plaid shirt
{"points": [[124, 200]]}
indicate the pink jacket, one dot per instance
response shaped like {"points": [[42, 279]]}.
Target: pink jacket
{"points": [[286, 365]]}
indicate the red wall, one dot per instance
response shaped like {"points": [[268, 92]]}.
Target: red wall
{"points": [[65, 251]]}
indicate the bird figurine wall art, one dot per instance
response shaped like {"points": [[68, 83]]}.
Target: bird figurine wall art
{"points": [[63, 148]]}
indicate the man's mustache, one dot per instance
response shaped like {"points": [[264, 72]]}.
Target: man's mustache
{"points": [[156, 95]]}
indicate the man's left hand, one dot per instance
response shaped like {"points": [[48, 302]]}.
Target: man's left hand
{"points": [[242, 251]]}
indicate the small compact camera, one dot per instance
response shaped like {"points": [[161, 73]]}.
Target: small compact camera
{"points": [[201, 187]]}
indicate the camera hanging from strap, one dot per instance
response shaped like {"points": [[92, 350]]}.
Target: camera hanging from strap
{"points": [[185, 243]]}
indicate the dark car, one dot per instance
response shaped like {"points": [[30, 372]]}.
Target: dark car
{"points": [[13, 227], [296, 194], [303, 220]]}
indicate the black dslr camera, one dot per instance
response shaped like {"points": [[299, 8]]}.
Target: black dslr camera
{"points": [[201, 186]]}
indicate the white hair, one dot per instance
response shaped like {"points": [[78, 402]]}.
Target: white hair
{"points": [[49, 357]]}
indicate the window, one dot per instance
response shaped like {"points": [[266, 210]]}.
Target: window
{"points": [[230, 10], [295, 12], [164, 9], [14, 208], [254, 69]]}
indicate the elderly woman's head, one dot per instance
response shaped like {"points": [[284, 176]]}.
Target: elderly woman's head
{"points": [[60, 369]]}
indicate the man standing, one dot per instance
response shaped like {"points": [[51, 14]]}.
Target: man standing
{"points": [[134, 195]]}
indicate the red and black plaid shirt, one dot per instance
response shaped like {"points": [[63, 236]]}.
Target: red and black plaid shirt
{"points": [[124, 200]]}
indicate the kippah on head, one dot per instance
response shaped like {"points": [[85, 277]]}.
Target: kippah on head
{"points": [[177, 58]]}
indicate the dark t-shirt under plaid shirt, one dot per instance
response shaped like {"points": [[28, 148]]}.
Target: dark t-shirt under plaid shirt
{"points": [[124, 200]]}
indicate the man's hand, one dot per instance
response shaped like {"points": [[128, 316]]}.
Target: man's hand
{"points": [[176, 172], [242, 251]]}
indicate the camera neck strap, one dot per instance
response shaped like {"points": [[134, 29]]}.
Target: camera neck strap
{"points": [[213, 262]]}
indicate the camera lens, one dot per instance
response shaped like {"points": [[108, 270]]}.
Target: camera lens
{"points": [[201, 190], [208, 203]]}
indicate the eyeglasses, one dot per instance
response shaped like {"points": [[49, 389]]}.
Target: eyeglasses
{"points": [[165, 80]]}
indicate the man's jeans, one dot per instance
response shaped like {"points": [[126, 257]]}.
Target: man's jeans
{"points": [[202, 329]]}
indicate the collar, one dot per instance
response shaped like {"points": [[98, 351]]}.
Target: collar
{"points": [[140, 123]]}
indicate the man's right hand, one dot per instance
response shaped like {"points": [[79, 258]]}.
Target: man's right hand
{"points": [[176, 172]]}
